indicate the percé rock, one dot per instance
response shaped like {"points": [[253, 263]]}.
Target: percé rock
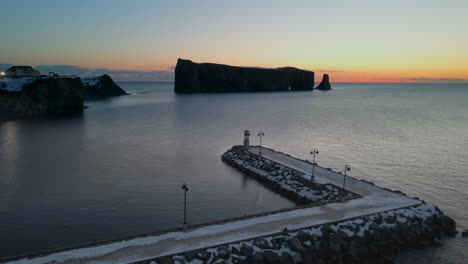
{"points": [[193, 77], [40, 96], [325, 84], [100, 87]]}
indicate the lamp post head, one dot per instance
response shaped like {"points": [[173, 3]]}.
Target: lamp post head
{"points": [[347, 167], [185, 187], [261, 134], [315, 151]]}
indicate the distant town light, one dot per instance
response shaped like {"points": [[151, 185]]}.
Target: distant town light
{"points": [[2, 73]]}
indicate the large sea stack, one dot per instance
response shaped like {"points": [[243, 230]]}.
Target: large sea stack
{"points": [[193, 77], [325, 84]]}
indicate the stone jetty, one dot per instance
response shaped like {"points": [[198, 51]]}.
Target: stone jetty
{"points": [[372, 238], [286, 181], [371, 225]]}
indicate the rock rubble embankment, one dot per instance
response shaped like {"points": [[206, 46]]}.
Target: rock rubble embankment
{"points": [[373, 238], [286, 181]]}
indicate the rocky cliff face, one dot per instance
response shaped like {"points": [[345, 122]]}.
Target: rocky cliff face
{"points": [[325, 84], [209, 77], [36, 96], [40, 96], [100, 87]]}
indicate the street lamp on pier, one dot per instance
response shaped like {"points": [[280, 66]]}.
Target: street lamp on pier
{"points": [[260, 134], [313, 152], [185, 188], [346, 168]]}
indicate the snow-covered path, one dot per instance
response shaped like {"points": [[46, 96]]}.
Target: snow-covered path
{"points": [[322, 175], [374, 200]]}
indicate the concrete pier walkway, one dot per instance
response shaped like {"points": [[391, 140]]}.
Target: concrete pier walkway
{"points": [[374, 200], [323, 176]]}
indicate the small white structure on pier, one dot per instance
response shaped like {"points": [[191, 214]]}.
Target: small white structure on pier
{"points": [[246, 139]]}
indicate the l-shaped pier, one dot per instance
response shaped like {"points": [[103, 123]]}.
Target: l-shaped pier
{"points": [[148, 248]]}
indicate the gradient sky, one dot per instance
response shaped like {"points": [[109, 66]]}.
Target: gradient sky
{"points": [[353, 41]]}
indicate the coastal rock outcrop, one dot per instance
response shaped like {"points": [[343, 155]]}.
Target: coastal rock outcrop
{"points": [[34, 96], [325, 84], [100, 87], [193, 77]]}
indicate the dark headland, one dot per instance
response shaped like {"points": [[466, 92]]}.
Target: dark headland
{"points": [[191, 77], [26, 97]]}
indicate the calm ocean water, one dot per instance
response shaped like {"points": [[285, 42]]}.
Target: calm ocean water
{"points": [[117, 170]]}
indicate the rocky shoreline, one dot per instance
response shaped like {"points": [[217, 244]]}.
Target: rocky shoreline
{"points": [[286, 181], [374, 238]]}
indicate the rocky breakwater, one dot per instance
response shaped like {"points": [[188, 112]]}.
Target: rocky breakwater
{"points": [[34, 96], [193, 77], [374, 238], [100, 87], [286, 181]]}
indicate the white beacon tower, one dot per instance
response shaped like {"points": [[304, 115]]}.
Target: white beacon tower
{"points": [[246, 139]]}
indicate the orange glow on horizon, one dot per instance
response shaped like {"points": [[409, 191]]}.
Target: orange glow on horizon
{"points": [[339, 72]]}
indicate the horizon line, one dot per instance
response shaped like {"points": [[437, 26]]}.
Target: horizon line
{"points": [[318, 82]]}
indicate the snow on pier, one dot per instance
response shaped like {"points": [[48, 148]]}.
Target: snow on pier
{"points": [[374, 200], [289, 182], [372, 195]]}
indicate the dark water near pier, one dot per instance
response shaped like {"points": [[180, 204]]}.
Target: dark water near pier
{"points": [[117, 169]]}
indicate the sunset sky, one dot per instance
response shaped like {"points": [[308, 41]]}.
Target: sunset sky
{"points": [[353, 41]]}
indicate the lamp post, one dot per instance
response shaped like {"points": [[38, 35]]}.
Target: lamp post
{"points": [[313, 152], [260, 134], [346, 168], [185, 188]]}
